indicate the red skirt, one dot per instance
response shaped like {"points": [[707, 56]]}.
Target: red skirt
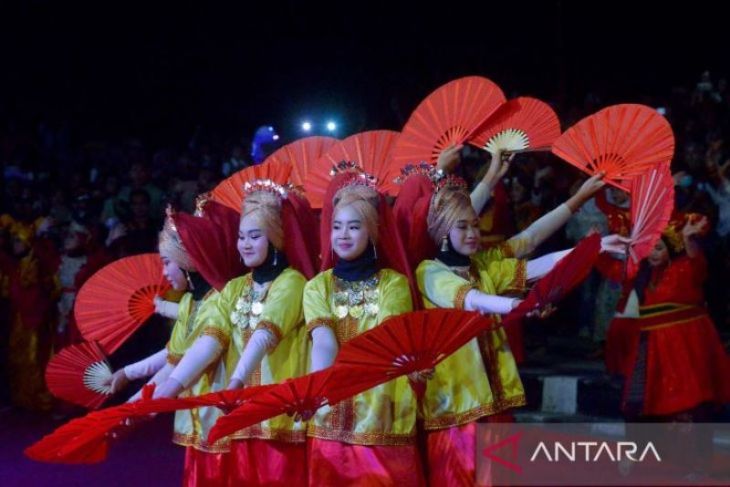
{"points": [[622, 339], [267, 462], [334, 463], [452, 453], [516, 340], [205, 469], [686, 364]]}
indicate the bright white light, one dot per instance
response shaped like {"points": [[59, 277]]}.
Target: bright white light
{"points": [[306, 126], [331, 126], [275, 137]]}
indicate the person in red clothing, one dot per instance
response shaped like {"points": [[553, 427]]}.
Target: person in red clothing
{"points": [[82, 257], [663, 341]]}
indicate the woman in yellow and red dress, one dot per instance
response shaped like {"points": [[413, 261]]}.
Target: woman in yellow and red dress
{"points": [[194, 251], [463, 277], [664, 341], [369, 439], [262, 313]]}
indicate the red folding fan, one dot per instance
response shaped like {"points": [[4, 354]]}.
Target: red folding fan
{"points": [[624, 141], [80, 441], [448, 116], [652, 204], [86, 439], [570, 271], [521, 124], [302, 154], [118, 299], [370, 151], [293, 396], [407, 343], [230, 191], [79, 374]]}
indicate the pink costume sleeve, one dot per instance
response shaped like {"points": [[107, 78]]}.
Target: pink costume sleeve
{"points": [[256, 347], [536, 268], [159, 378], [487, 303], [324, 348], [530, 238], [146, 367], [197, 358]]}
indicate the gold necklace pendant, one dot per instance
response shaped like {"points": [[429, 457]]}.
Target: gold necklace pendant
{"points": [[356, 299]]}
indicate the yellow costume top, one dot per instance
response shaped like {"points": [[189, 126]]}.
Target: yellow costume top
{"points": [[277, 309], [194, 320], [481, 377], [383, 415]]}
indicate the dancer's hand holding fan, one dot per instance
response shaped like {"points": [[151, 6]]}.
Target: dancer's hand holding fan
{"points": [[298, 397], [401, 345], [570, 271], [80, 374], [623, 141], [449, 116]]}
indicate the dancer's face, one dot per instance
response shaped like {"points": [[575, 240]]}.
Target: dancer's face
{"points": [[349, 235], [464, 234], [173, 273], [252, 242], [659, 254]]}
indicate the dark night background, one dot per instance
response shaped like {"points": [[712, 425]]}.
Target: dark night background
{"points": [[105, 105], [157, 72]]}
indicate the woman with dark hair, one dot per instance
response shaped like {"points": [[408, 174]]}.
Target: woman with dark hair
{"points": [[663, 341]]}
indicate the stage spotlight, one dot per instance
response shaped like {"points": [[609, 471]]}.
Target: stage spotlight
{"points": [[331, 126], [307, 126]]}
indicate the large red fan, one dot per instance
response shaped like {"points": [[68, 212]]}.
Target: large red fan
{"points": [[410, 342], [230, 191], [448, 116], [118, 299], [79, 374], [370, 151], [86, 439], [652, 203], [521, 124], [294, 396], [624, 141], [570, 271], [302, 155]]}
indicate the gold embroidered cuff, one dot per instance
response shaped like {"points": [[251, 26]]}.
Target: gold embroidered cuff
{"points": [[317, 322], [457, 419], [353, 438], [519, 282], [506, 249], [218, 334], [173, 358], [460, 298], [272, 328]]}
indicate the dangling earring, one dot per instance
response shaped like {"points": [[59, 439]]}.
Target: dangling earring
{"points": [[375, 250], [276, 256], [190, 282], [445, 244]]}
